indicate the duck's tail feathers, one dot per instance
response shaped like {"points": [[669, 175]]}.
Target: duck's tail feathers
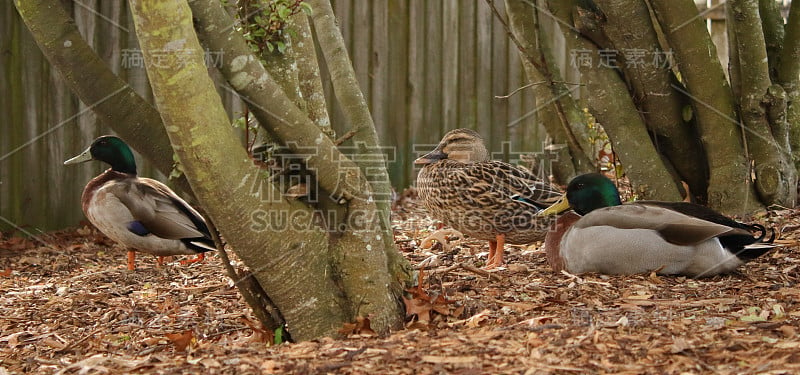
{"points": [[199, 244], [754, 251], [761, 229]]}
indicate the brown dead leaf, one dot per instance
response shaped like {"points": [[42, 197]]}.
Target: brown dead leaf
{"points": [[360, 327], [787, 331], [181, 340], [13, 339], [260, 334], [418, 307], [476, 320]]}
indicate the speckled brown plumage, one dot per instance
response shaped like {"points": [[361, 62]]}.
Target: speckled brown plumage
{"points": [[484, 199]]}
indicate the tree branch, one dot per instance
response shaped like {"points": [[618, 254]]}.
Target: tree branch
{"points": [[309, 76], [772, 24], [273, 109], [559, 113], [354, 106], [613, 107]]}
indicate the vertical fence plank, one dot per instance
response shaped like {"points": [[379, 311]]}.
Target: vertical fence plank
{"points": [[467, 101], [499, 85], [397, 114], [360, 45], [425, 66], [450, 49], [416, 99], [483, 70], [433, 69]]}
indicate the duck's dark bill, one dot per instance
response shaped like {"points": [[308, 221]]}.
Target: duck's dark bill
{"points": [[84, 156], [431, 157]]}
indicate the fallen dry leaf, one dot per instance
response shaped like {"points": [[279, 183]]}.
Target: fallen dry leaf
{"points": [[77, 293], [181, 340]]}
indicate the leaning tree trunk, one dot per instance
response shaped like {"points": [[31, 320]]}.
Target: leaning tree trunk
{"points": [[315, 288], [729, 188], [610, 103], [626, 28], [336, 174]]}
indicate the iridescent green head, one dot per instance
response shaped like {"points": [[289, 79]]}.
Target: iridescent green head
{"points": [[109, 149], [591, 191], [586, 193]]}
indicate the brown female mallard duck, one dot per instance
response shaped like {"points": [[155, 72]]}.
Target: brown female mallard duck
{"points": [[139, 213], [603, 235], [485, 199]]}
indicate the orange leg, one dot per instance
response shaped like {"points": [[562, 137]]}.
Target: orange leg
{"points": [[159, 261], [199, 258], [492, 251], [131, 260], [496, 249]]}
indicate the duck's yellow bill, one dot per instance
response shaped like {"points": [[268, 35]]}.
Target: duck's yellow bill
{"points": [[83, 157], [557, 208]]}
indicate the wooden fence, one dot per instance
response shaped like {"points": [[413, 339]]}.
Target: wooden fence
{"points": [[425, 66]]}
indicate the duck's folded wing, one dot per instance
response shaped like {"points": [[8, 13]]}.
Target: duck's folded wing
{"points": [[160, 211], [518, 183], [674, 227]]}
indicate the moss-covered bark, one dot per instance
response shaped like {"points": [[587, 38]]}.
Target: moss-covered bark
{"points": [[309, 75], [628, 29], [789, 78], [769, 12], [730, 189], [110, 98], [775, 177], [573, 159], [613, 107], [365, 262], [222, 175]]}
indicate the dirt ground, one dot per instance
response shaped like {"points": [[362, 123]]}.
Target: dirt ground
{"points": [[68, 306]]}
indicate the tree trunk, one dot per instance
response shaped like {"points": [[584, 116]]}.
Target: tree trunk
{"points": [[630, 33], [575, 158], [611, 104], [775, 177], [730, 189], [347, 267], [309, 76], [789, 78]]}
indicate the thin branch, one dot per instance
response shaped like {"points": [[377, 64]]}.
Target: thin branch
{"points": [[534, 84]]}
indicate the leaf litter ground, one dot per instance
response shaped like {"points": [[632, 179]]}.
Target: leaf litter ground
{"points": [[68, 306]]}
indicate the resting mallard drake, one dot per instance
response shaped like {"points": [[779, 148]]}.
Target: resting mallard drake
{"points": [[139, 213], [673, 238], [460, 186]]}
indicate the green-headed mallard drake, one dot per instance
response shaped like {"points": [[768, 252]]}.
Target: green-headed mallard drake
{"points": [[482, 198], [140, 213], [675, 238]]}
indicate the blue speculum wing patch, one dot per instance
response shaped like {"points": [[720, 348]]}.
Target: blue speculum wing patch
{"points": [[138, 228]]}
